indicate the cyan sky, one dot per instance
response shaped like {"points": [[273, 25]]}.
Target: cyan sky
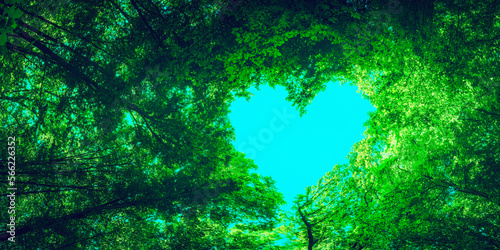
{"points": [[297, 151]]}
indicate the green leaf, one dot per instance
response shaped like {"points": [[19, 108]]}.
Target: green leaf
{"points": [[15, 13], [3, 39]]}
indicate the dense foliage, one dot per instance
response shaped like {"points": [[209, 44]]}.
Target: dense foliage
{"points": [[111, 150], [119, 110], [426, 175]]}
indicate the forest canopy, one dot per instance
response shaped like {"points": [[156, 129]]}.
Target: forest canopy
{"points": [[115, 127]]}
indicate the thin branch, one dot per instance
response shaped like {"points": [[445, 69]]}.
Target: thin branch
{"points": [[491, 113], [153, 33], [70, 68], [62, 28]]}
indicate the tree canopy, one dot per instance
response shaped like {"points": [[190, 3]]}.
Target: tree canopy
{"points": [[426, 174], [119, 111]]}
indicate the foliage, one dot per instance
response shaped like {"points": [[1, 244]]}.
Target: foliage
{"points": [[110, 148], [119, 110], [426, 174]]}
